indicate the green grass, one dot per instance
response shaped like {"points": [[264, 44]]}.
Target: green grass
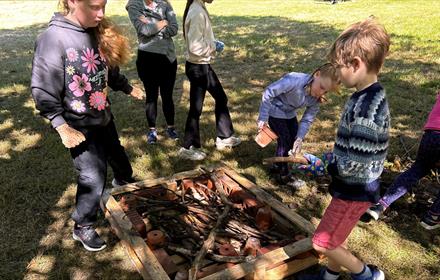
{"points": [[264, 40]]}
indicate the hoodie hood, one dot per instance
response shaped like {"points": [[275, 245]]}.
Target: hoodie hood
{"points": [[59, 20]]}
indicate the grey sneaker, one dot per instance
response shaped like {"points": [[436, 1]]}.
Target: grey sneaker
{"points": [[230, 142], [119, 182], [191, 153], [89, 238]]}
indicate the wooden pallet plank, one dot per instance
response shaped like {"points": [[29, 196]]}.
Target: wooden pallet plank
{"points": [[290, 268], [154, 182], [240, 270], [273, 202], [122, 227]]}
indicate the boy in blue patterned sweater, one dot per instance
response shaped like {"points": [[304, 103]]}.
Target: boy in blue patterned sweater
{"points": [[360, 148]]}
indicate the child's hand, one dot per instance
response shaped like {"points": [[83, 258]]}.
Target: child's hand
{"points": [[70, 136], [261, 124], [317, 166], [144, 19], [137, 93], [219, 46], [297, 145]]}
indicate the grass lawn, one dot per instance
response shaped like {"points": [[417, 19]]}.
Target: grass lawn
{"points": [[264, 40]]}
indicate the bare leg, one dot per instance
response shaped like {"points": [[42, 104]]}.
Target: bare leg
{"points": [[341, 257]]}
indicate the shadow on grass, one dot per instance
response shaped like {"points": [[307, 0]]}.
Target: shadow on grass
{"points": [[38, 178]]}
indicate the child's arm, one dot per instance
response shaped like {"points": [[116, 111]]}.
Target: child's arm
{"points": [[307, 120], [285, 84], [117, 81], [171, 29]]}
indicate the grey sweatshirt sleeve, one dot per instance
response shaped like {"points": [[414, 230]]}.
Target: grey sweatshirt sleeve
{"points": [[47, 82], [307, 120], [275, 89], [171, 29], [135, 8], [117, 81]]}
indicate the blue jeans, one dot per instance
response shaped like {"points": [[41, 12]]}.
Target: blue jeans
{"points": [[90, 160], [428, 156], [286, 130]]}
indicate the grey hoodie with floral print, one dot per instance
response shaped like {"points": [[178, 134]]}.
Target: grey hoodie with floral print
{"points": [[70, 77]]}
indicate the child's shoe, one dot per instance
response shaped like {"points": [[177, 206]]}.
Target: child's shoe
{"points": [[120, 182], [152, 136], [230, 142], [430, 221], [376, 274], [375, 211], [89, 238], [191, 153], [172, 133], [292, 181]]}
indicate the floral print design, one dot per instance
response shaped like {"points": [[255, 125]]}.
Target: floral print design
{"points": [[70, 70], [72, 54], [90, 60], [98, 100], [80, 85], [78, 106]]}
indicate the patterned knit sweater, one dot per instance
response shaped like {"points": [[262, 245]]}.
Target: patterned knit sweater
{"points": [[361, 146]]}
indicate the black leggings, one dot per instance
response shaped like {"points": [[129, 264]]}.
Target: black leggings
{"points": [[202, 78], [157, 72]]}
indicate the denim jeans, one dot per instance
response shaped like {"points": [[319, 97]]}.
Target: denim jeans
{"points": [[158, 75], [90, 160], [202, 78]]}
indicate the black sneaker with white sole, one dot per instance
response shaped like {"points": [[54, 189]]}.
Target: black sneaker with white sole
{"points": [[89, 238], [430, 221], [375, 211]]}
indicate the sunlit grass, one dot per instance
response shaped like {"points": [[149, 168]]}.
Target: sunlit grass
{"points": [[264, 40]]}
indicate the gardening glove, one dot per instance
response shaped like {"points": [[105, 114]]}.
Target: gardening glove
{"points": [[317, 166], [297, 145], [70, 136], [219, 46], [137, 93]]}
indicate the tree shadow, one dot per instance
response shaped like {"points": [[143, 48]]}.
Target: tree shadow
{"points": [[38, 178]]}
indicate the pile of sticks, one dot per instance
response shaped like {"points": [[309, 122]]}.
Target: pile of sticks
{"points": [[204, 217]]}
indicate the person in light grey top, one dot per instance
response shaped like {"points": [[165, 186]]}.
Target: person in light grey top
{"points": [[155, 23], [282, 99]]}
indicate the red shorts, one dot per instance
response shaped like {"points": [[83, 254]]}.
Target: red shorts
{"points": [[338, 221]]}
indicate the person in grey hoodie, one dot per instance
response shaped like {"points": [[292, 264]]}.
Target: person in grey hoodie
{"points": [[75, 59], [155, 23]]}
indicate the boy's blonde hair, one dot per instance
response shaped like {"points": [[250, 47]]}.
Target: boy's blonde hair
{"points": [[366, 39]]}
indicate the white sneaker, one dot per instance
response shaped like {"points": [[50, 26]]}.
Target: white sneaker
{"points": [[191, 153], [230, 142]]}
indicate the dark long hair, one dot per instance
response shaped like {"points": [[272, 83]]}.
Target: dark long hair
{"points": [[185, 13]]}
